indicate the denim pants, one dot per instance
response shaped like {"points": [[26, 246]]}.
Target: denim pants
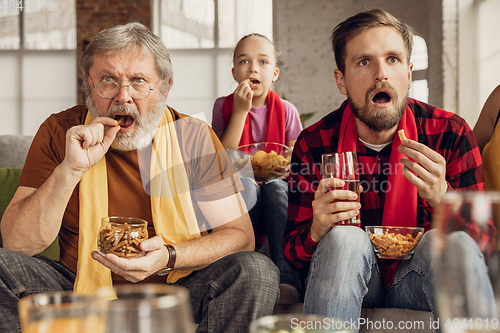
{"points": [[344, 276], [225, 296], [268, 204]]}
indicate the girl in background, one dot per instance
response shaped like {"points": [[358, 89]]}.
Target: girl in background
{"points": [[255, 113]]}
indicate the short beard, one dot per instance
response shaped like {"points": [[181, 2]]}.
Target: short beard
{"points": [[145, 126], [381, 120]]}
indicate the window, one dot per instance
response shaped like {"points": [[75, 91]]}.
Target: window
{"points": [[200, 36], [419, 86], [38, 59]]}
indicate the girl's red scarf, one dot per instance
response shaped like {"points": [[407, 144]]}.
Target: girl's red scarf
{"points": [[276, 122], [400, 208]]}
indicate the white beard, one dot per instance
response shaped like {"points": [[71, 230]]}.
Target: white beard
{"points": [[145, 126]]}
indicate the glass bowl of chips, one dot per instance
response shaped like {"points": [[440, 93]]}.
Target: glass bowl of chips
{"points": [[394, 242], [262, 161]]}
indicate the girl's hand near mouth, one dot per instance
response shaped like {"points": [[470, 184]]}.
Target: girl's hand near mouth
{"points": [[243, 97]]}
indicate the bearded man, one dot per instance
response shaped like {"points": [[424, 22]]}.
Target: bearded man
{"points": [[129, 154], [402, 181]]}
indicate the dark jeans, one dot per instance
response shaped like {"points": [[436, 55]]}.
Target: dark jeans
{"points": [[267, 205], [225, 296]]}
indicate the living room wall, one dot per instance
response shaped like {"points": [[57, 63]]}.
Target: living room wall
{"points": [[302, 34]]}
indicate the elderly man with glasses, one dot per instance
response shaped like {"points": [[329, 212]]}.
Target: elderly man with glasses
{"points": [[129, 154]]}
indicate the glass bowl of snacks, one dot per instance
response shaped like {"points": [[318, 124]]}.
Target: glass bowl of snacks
{"points": [[122, 236], [262, 161], [394, 242]]}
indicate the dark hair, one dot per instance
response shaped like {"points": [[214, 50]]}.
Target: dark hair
{"points": [[360, 22], [123, 38], [255, 34]]}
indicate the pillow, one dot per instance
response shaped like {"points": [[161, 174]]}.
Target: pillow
{"points": [[9, 178]]}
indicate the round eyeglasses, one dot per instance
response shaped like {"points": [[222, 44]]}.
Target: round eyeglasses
{"points": [[108, 88]]}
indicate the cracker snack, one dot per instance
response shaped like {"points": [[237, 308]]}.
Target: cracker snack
{"points": [[393, 244], [402, 135], [122, 240]]}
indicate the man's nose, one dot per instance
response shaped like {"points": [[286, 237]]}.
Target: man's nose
{"points": [[123, 96], [381, 71]]}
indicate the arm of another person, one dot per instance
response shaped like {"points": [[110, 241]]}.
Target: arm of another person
{"points": [[485, 125], [33, 218]]}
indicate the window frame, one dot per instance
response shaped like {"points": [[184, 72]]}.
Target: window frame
{"points": [[19, 54]]}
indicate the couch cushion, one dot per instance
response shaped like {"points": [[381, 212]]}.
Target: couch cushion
{"points": [[9, 178]]}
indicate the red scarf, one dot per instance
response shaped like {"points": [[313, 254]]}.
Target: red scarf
{"points": [[400, 208], [276, 121]]}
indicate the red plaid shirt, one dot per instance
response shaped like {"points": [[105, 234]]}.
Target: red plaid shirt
{"points": [[444, 132]]}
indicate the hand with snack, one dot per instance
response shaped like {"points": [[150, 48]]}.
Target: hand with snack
{"points": [[87, 144], [425, 168], [138, 269], [243, 95]]}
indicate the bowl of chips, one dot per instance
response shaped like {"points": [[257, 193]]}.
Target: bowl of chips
{"points": [[394, 242], [262, 161]]}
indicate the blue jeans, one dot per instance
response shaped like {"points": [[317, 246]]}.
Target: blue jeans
{"points": [[225, 296], [344, 276], [268, 205]]}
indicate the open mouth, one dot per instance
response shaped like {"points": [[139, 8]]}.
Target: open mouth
{"points": [[381, 98], [254, 81], [126, 121]]}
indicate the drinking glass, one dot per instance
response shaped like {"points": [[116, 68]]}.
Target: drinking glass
{"points": [[149, 308], [343, 166], [298, 323], [465, 301], [62, 311]]}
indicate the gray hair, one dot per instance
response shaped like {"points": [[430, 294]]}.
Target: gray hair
{"points": [[123, 38]]}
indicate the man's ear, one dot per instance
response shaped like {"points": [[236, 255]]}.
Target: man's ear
{"points": [[340, 80], [169, 85], [410, 72]]}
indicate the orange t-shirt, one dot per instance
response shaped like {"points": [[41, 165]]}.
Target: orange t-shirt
{"points": [[209, 169]]}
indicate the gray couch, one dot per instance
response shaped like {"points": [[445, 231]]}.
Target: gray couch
{"points": [[13, 150]]}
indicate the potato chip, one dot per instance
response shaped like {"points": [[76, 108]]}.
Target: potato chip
{"points": [[402, 135]]}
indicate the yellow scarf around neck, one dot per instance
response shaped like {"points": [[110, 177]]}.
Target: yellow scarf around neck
{"points": [[174, 218]]}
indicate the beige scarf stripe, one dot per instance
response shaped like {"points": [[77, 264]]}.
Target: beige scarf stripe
{"points": [[171, 206]]}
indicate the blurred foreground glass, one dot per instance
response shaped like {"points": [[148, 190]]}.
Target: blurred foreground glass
{"points": [[149, 308], [61, 312], [343, 166], [297, 323], [465, 292]]}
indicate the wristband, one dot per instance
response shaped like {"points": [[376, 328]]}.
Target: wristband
{"points": [[172, 255]]}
